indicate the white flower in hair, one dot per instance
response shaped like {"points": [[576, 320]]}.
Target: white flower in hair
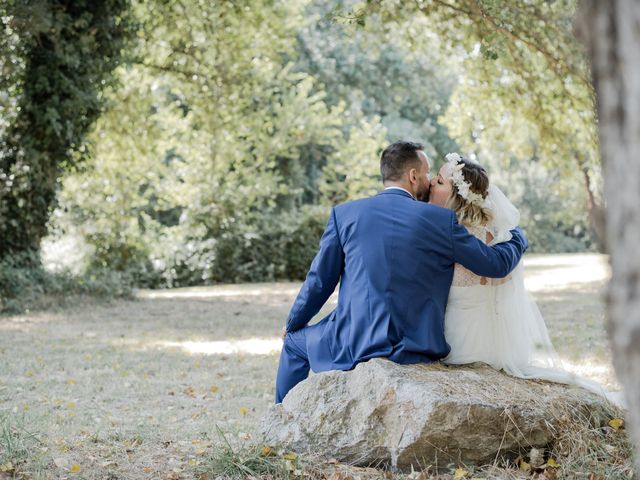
{"points": [[454, 172]]}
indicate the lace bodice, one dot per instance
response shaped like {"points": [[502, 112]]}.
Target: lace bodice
{"points": [[463, 277]]}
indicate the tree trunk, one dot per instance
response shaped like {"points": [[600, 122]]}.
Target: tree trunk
{"points": [[609, 30], [596, 212], [69, 57]]}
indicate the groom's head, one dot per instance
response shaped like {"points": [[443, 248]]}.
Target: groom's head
{"points": [[404, 164]]}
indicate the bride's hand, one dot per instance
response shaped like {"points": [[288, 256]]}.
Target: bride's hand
{"points": [[284, 333]]}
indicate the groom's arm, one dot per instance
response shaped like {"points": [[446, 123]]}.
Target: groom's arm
{"points": [[494, 262], [321, 280]]}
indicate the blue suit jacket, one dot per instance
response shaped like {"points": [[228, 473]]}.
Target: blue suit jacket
{"points": [[394, 258]]}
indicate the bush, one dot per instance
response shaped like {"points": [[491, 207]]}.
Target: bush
{"points": [[274, 247], [25, 285]]}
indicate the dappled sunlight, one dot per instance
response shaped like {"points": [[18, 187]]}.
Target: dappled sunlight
{"points": [[599, 370], [28, 321], [252, 346], [551, 272], [221, 291]]}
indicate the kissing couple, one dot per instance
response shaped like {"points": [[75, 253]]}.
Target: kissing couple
{"points": [[429, 270]]}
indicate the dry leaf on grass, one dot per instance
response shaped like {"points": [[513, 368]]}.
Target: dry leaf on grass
{"points": [[616, 423], [522, 465], [460, 473], [552, 463], [266, 451]]}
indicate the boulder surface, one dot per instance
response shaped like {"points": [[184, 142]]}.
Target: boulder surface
{"points": [[382, 413]]}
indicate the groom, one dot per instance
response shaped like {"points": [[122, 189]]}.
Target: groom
{"points": [[394, 258]]}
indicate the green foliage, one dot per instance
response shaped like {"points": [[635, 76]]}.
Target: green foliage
{"points": [[25, 285], [282, 247], [234, 127], [379, 73], [551, 213], [524, 89], [190, 188], [60, 56]]}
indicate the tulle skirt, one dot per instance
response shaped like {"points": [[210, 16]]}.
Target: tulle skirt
{"points": [[501, 325]]}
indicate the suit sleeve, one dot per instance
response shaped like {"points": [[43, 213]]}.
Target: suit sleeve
{"points": [[321, 280], [495, 262]]}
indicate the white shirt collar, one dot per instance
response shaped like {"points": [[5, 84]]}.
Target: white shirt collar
{"points": [[400, 188]]}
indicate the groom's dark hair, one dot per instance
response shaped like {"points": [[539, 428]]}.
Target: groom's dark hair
{"points": [[397, 158]]}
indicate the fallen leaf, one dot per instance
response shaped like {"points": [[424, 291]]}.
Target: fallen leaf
{"points": [[190, 391], [6, 467], [147, 469], [214, 389], [244, 410], [290, 456], [266, 451], [460, 473], [71, 381], [552, 463], [75, 468], [524, 466], [616, 423]]}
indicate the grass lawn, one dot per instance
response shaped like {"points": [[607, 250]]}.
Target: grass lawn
{"points": [[138, 389]]}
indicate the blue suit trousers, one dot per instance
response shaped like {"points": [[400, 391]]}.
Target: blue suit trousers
{"points": [[294, 363]]}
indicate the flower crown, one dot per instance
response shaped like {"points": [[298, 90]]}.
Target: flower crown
{"points": [[454, 172]]}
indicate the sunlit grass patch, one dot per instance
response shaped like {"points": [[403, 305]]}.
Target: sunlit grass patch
{"points": [[22, 450], [249, 460]]}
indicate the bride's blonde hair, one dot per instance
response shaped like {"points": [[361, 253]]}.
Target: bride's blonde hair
{"points": [[469, 214]]}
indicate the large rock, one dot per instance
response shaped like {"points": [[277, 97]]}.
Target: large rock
{"points": [[403, 415]]}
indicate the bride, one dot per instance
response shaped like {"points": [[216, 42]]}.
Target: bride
{"points": [[494, 321]]}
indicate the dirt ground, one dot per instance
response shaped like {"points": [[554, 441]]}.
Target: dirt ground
{"points": [[139, 389]]}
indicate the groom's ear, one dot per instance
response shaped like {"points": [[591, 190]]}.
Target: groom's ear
{"points": [[413, 175]]}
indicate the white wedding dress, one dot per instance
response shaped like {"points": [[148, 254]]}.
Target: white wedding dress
{"points": [[496, 321]]}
